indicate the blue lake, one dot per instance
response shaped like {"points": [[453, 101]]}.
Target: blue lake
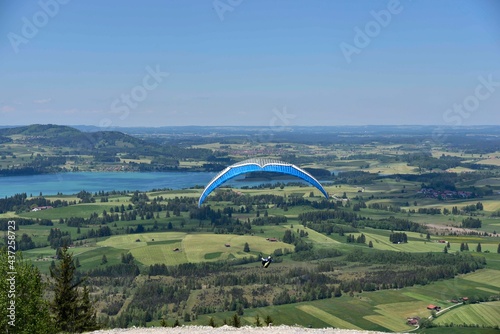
{"points": [[72, 183]]}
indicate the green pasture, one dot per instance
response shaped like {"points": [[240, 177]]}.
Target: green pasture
{"points": [[197, 246], [129, 241], [382, 242], [383, 310], [391, 168], [151, 248], [80, 210], [487, 314], [90, 256], [39, 233], [493, 181], [319, 239], [485, 276], [326, 317], [417, 243], [457, 330], [460, 170], [491, 161]]}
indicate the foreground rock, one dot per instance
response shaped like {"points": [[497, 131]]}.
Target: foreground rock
{"points": [[228, 329]]}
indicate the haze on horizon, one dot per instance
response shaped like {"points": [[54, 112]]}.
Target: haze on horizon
{"points": [[243, 62]]}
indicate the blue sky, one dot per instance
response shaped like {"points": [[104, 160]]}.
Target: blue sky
{"points": [[249, 62]]}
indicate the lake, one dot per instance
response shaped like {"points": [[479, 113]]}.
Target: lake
{"points": [[72, 183]]}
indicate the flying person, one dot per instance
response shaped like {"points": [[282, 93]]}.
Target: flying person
{"points": [[266, 262]]}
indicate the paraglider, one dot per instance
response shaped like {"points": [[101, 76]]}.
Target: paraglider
{"points": [[259, 165], [266, 261]]}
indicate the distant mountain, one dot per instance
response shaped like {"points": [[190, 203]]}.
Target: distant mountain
{"points": [[66, 136], [45, 130], [98, 143]]}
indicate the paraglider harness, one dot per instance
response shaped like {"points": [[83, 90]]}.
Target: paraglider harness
{"points": [[266, 262]]}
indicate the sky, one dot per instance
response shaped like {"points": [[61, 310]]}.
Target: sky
{"points": [[280, 63]]}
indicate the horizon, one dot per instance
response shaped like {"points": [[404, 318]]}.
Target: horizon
{"points": [[111, 128], [250, 63]]}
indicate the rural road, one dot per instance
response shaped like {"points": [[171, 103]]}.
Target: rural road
{"points": [[231, 330]]}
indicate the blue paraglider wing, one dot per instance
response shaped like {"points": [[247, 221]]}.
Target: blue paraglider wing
{"points": [[260, 165]]}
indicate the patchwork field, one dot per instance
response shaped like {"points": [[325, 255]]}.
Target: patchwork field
{"points": [[384, 310], [161, 247], [417, 244], [487, 314], [485, 276], [326, 317]]}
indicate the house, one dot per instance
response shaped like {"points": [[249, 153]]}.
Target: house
{"points": [[413, 321], [433, 307], [39, 208]]}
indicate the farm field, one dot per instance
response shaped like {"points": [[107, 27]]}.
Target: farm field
{"points": [[153, 248], [80, 210], [487, 314], [318, 279], [384, 310]]}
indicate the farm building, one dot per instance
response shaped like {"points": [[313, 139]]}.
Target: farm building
{"points": [[433, 307], [39, 208]]}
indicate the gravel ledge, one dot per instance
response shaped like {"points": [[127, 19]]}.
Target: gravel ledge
{"points": [[229, 329]]}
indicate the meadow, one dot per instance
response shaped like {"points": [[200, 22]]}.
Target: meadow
{"points": [[175, 239]]}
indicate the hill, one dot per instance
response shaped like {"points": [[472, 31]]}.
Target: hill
{"points": [[48, 148]]}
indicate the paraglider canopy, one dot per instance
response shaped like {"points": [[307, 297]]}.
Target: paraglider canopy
{"points": [[259, 165]]}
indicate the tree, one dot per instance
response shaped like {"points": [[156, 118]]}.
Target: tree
{"points": [[445, 250], [72, 309], [246, 248], [478, 248], [104, 259], [337, 292], [268, 320], [257, 321], [289, 238], [498, 249], [236, 321], [31, 314], [370, 244], [211, 322]]}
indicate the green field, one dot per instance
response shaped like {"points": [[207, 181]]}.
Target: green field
{"points": [[80, 210], [151, 248], [190, 240], [384, 310], [486, 276], [326, 317], [487, 314]]}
